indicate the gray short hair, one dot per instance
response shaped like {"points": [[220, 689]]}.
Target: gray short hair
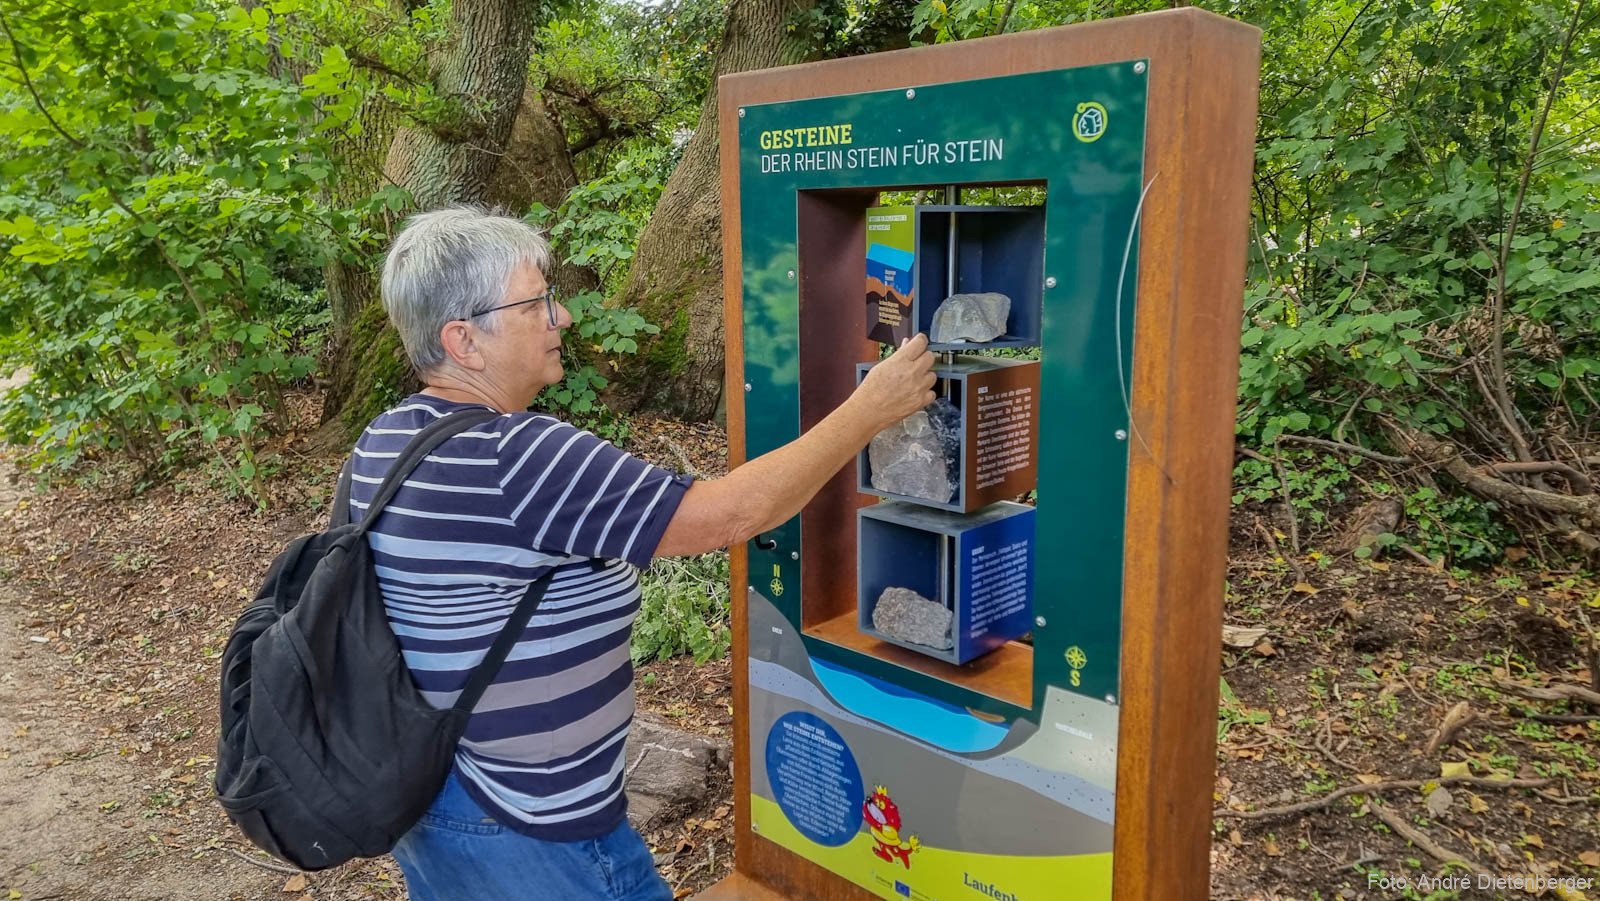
{"points": [[448, 264]]}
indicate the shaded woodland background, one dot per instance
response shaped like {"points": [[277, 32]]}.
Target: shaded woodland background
{"points": [[195, 196]]}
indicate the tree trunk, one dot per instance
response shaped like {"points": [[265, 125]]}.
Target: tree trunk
{"points": [[676, 278], [537, 167], [480, 72], [501, 148]]}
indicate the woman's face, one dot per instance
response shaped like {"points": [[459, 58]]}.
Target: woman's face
{"points": [[526, 346]]}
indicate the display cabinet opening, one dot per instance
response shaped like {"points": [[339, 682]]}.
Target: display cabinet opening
{"points": [[992, 387]]}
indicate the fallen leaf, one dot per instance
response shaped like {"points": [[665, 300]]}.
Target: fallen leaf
{"points": [[1266, 649], [1272, 849], [1522, 601], [1368, 778], [1477, 804], [1590, 858], [1438, 802], [1533, 840], [296, 883], [1237, 839], [1305, 588], [1241, 637], [1453, 769]]}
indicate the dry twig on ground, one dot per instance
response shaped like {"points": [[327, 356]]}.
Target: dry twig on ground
{"points": [[1375, 788]]}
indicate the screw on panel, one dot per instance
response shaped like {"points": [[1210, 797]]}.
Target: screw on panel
{"points": [[747, 387], [1122, 435], [1039, 621], [1050, 282], [911, 93], [794, 555], [1138, 68], [791, 275], [1111, 699], [741, 114]]}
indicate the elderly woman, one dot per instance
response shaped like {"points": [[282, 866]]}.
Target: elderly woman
{"points": [[534, 807]]}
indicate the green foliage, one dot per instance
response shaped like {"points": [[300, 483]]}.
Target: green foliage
{"points": [[597, 227], [684, 609], [1425, 246], [599, 223], [160, 231], [1316, 482], [627, 77], [1456, 527], [1386, 183]]}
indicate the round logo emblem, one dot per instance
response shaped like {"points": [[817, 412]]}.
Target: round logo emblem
{"points": [[1090, 122], [1076, 658]]}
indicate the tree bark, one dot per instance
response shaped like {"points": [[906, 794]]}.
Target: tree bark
{"points": [[481, 72], [501, 147], [676, 278], [538, 168]]}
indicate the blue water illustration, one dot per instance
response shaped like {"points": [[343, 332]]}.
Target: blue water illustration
{"points": [[935, 722]]}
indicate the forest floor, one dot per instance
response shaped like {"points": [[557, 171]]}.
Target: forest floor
{"points": [[1332, 779]]}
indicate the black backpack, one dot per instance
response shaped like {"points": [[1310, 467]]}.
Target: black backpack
{"points": [[327, 751]]}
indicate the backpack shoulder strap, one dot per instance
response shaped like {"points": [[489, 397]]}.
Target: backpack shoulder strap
{"points": [[489, 667], [435, 434]]}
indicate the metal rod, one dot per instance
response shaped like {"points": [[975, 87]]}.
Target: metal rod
{"points": [[951, 194]]}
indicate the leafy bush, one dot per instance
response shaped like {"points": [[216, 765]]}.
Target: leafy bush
{"points": [[160, 231], [1459, 528], [1316, 482], [684, 609], [597, 227]]}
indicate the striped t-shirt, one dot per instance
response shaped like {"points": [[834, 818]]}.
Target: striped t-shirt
{"points": [[489, 511]]}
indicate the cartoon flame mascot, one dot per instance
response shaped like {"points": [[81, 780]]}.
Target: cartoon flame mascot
{"points": [[882, 817]]}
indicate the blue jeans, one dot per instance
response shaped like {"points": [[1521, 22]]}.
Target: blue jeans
{"points": [[458, 851]]}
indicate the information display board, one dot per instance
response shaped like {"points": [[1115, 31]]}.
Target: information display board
{"points": [[871, 762], [1079, 133]]}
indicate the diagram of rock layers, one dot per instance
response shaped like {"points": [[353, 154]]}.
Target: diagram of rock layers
{"points": [[891, 254], [916, 798]]}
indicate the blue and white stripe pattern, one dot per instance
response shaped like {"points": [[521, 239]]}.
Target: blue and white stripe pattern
{"points": [[492, 509]]}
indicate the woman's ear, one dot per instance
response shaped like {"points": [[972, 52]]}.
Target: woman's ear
{"points": [[460, 345]]}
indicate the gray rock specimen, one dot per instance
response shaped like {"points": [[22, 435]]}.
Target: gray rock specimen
{"points": [[904, 615], [970, 317], [919, 456], [669, 770]]}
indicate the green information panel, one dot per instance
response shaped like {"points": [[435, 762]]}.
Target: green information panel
{"points": [[909, 783]]}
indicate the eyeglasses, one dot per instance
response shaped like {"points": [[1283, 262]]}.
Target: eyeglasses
{"points": [[550, 300]]}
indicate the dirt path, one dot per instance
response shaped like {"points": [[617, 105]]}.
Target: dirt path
{"points": [[114, 605], [80, 817], [76, 820]]}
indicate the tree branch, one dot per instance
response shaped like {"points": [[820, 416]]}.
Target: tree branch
{"points": [[1437, 452], [27, 81], [1497, 358], [1374, 788], [1580, 483], [1347, 448]]}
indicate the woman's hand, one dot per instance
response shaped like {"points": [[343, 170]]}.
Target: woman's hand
{"points": [[900, 385], [772, 488]]}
